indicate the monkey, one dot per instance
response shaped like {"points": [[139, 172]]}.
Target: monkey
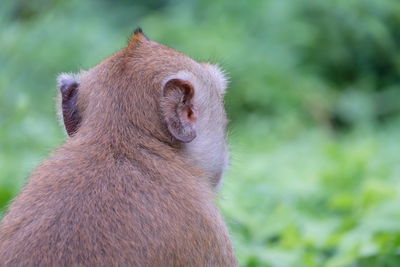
{"points": [[136, 181]]}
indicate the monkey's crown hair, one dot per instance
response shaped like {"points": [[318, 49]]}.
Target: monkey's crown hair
{"points": [[137, 36], [138, 30]]}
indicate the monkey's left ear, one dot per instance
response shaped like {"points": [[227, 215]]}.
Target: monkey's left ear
{"points": [[178, 111], [68, 85]]}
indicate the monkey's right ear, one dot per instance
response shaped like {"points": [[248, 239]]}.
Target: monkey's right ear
{"points": [[177, 107], [68, 85]]}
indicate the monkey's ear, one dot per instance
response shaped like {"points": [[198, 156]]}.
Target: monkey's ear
{"points": [[68, 85], [177, 107]]}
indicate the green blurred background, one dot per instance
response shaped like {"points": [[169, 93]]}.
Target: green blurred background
{"points": [[314, 104]]}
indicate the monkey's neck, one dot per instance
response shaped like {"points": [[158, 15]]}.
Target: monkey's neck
{"points": [[142, 151], [125, 138]]}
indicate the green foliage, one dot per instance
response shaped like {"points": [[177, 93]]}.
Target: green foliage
{"points": [[313, 198], [314, 104]]}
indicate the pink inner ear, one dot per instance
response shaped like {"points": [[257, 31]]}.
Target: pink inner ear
{"points": [[190, 114], [178, 109]]}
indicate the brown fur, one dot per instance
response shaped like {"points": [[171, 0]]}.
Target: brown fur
{"points": [[119, 192]]}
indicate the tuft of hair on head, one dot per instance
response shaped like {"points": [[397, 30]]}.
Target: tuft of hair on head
{"points": [[138, 30], [137, 37]]}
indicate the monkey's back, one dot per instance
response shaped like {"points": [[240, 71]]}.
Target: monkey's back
{"points": [[113, 211]]}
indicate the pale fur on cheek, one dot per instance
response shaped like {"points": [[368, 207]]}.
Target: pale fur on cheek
{"points": [[218, 75], [208, 149]]}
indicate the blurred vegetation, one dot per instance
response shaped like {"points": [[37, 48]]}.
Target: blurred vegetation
{"points": [[314, 104]]}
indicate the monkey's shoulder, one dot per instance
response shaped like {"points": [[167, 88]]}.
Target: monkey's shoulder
{"points": [[112, 211]]}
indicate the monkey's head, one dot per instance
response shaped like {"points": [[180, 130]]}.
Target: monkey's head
{"points": [[147, 90]]}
